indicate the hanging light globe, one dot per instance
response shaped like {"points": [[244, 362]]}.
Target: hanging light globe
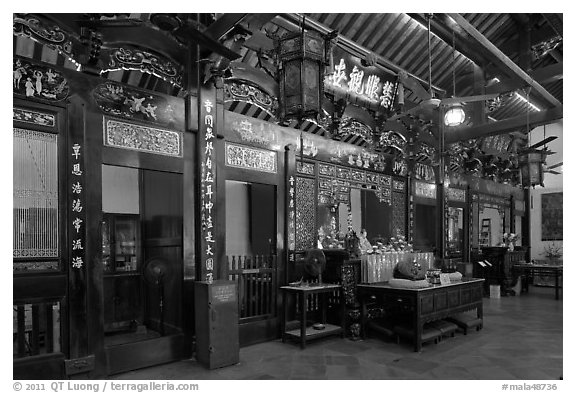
{"points": [[454, 116]]}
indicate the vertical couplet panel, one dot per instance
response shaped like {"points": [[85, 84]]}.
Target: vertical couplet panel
{"points": [[207, 176]]}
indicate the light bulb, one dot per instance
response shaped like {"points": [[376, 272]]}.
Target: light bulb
{"points": [[454, 116]]}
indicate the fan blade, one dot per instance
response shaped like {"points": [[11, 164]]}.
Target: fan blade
{"points": [[105, 23], [531, 150], [555, 165], [409, 112], [415, 87], [460, 100], [188, 33], [542, 142]]}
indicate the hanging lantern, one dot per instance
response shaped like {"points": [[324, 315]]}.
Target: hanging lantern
{"points": [[302, 58], [531, 168]]}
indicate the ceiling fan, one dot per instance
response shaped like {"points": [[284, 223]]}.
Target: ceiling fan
{"points": [[549, 169], [429, 103], [534, 148]]}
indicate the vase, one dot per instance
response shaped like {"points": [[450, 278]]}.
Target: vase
{"points": [[511, 246]]}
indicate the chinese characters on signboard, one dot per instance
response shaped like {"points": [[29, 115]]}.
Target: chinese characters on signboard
{"points": [[369, 86], [77, 215], [208, 189]]}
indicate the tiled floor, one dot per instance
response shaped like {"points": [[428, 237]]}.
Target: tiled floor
{"points": [[521, 340]]}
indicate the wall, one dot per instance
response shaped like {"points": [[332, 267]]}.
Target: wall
{"points": [[237, 219], [552, 183], [120, 193], [496, 230]]}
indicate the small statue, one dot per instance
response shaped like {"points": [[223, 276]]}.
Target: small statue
{"points": [[365, 245]]}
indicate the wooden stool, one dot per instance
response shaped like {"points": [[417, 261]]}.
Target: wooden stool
{"points": [[446, 328], [428, 333], [465, 322]]}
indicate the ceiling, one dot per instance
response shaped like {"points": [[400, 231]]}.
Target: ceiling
{"points": [[514, 55]]}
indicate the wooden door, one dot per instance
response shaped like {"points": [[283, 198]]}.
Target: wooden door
{"points": [[253, 258]]}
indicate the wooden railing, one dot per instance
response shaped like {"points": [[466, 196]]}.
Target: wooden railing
{"points": [[36, 328], [257, 285]]}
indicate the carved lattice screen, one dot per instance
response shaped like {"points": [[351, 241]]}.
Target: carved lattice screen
{"points": [[35, 225]]}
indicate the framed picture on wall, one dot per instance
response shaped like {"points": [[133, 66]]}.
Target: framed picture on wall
{"points": [[552, 216]]}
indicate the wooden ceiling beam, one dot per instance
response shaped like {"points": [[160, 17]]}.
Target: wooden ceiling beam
{"points": [[504, 126], [440, 26], [224, 24], [547, 74], [504, 61]]}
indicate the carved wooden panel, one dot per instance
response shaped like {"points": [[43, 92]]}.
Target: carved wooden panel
{"points": [[398, 213], [305, 213], [137, 137]]}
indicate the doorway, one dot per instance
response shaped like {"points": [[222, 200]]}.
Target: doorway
{"points": [[141, 232], [251, 232]]}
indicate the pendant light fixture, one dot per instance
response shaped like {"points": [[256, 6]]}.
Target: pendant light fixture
{"points": [[454, 115]]}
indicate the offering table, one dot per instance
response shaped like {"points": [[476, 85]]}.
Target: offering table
{"points": [[424, 304]]}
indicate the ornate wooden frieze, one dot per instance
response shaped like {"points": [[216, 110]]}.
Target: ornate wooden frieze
{"points": [[386, 180], [343, 173], [119, 100], [43, 32], [38, 81], [305, 213], [326, 170], [372, 178], [253, 133], [398, 185], [392, 140], [139, 60], [424, 190], [238, 91], [424, 152], [34, 117], [456, 194], [491, 199], [258, 133], [351, 127], [305, 168], [359, 176], [142, 138], [250, 158], [35, 266]]}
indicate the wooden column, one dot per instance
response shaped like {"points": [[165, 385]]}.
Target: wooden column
{"points": [[290, 203], [441, 215], [84, 207], [526, 224]]}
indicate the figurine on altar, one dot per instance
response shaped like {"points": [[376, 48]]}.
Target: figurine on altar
{"points": [[352, 244], [365, 245]]}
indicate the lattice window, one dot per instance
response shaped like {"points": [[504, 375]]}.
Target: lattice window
{"points": [[305, 213], [35, 225]]}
